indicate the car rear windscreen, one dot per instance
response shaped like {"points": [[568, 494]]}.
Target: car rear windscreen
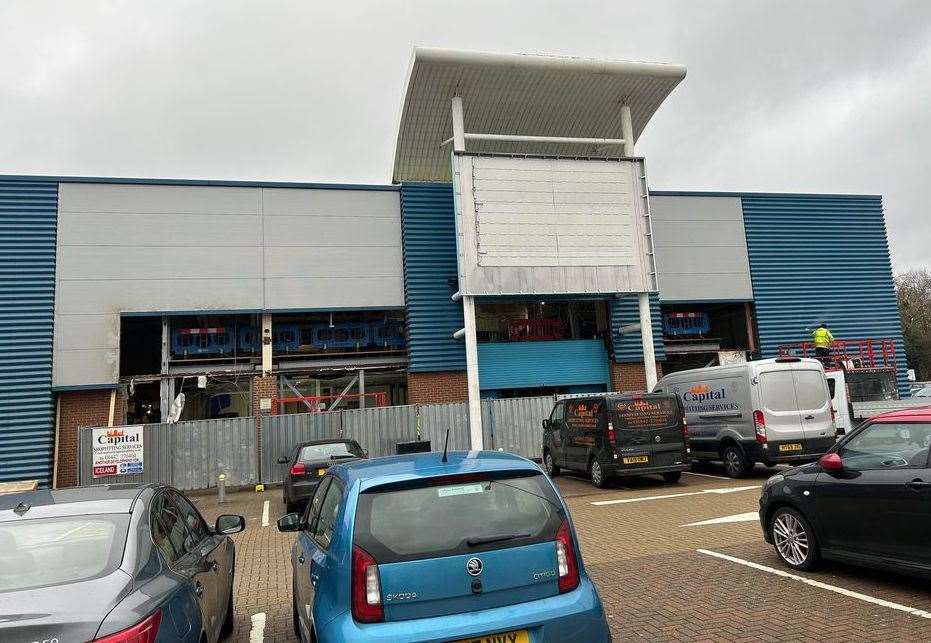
{"points": [[646, 413], [54, 551], [456, 516], [332, 451]]}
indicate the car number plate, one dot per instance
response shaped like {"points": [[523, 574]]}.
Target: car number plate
{"points": [[518, 636], [636, 459], [321, 472], [795, 446]]}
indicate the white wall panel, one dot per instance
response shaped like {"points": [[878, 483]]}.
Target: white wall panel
{"points": [[163, 249], [540, 225]]}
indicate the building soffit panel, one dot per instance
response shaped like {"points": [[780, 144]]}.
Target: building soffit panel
{"points": [[521, 95]]}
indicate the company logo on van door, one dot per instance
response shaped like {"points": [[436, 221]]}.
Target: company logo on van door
{"points": [[702, 397], [703, 392]]}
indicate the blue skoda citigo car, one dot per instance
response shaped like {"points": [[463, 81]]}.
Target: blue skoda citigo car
{"points": [[414, 548]]}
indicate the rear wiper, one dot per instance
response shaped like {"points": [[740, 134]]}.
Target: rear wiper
{"points": [[341, 457], [484, 540]]}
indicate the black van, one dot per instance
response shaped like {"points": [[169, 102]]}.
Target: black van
{"points": [[617, 435]]}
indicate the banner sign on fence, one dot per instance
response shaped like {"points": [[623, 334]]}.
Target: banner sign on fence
{"points": [[117, 451]]}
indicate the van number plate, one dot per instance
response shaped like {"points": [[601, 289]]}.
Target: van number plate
{"points": [[636, 459], [795, 446]]}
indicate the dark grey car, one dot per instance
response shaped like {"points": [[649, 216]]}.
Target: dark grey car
{"points": [[114, 563], [307, 463]]}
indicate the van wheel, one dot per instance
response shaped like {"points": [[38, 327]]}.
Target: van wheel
{"points": [[551, 469], [672, 476], [793, 539], [596, 474], [736, 464]]}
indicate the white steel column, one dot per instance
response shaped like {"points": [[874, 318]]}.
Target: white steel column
{"points": [[468, 312], [646, 336], [643, 299], [266, 344], [627, 130]]}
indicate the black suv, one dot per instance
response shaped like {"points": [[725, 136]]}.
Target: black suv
{"points": [[308, 461], [617, 435]]}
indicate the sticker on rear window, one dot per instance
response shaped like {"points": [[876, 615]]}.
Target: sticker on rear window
{"points": [[459, 490]]}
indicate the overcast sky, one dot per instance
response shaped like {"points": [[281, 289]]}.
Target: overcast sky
{"points": [[780, 96]]}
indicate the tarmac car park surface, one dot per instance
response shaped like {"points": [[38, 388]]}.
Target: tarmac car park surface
{"points": [[682, 562]]}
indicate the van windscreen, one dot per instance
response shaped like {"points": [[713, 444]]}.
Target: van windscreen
{"points": [[646, 413]]}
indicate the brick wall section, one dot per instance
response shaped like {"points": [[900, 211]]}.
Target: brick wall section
{"points": [[262, 387], [631, 376], [437, 388], [79, 409]]}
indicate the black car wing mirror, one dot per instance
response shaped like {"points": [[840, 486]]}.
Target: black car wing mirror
{"points": [[289, 522], [546, 424], [282, 460], [229, 524]]}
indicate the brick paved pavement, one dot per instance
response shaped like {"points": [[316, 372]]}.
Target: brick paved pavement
{"points": [[654, 584]]}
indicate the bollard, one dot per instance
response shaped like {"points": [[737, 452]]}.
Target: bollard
{"points": [[221, 488]]}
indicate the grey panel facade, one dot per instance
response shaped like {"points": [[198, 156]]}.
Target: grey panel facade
{"points": [[701, 248], [140, 248]]}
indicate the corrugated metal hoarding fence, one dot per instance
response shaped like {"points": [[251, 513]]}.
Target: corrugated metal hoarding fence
{"points": [[187, 455], [190, 455]]}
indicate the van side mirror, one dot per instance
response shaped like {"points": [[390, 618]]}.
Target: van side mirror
{"points": [[831, 462]]}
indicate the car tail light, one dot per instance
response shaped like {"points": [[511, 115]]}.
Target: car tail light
{"points": [[366, 588], [566, 564], [685, 429], [298, 469], [759, 423], [611, 434], [144, 631]]}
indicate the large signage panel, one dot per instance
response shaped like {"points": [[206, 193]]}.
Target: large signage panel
{"points": [[551, 226], [117, 451]]}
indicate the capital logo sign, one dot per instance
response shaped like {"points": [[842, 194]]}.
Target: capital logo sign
{"points": [[703, 392], [117, 451]]}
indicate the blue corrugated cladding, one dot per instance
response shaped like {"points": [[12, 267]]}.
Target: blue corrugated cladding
{"points": [[629, 348], [428, 233], [28, 219], [815, 257], [508, 365]]}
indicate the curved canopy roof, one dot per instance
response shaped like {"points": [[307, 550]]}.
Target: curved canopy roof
{"points": [[524, 95]]}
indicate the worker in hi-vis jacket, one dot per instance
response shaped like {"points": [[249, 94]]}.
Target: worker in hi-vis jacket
{"points": [[823, 340]]}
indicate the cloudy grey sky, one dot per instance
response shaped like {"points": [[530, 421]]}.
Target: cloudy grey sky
{"points": [[830, 96]]}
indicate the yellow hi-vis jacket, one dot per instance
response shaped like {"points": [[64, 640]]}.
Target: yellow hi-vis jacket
{"points": [[822, 337]]}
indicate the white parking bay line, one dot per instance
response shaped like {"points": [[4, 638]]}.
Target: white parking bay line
{"points": [[831, 588], [705, 475], [747, 517], [624, 501], [257, 633], [265, 514]]}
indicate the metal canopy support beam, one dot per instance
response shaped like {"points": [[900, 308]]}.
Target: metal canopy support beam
{"points": [[468, 311], [522, 138], [627, 130], [266, 344]]}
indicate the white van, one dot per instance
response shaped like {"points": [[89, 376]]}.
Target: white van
{"points": [[769, 411]]}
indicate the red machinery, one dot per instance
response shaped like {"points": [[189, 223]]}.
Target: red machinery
{"points": [[856, 353], [535, 330]]}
